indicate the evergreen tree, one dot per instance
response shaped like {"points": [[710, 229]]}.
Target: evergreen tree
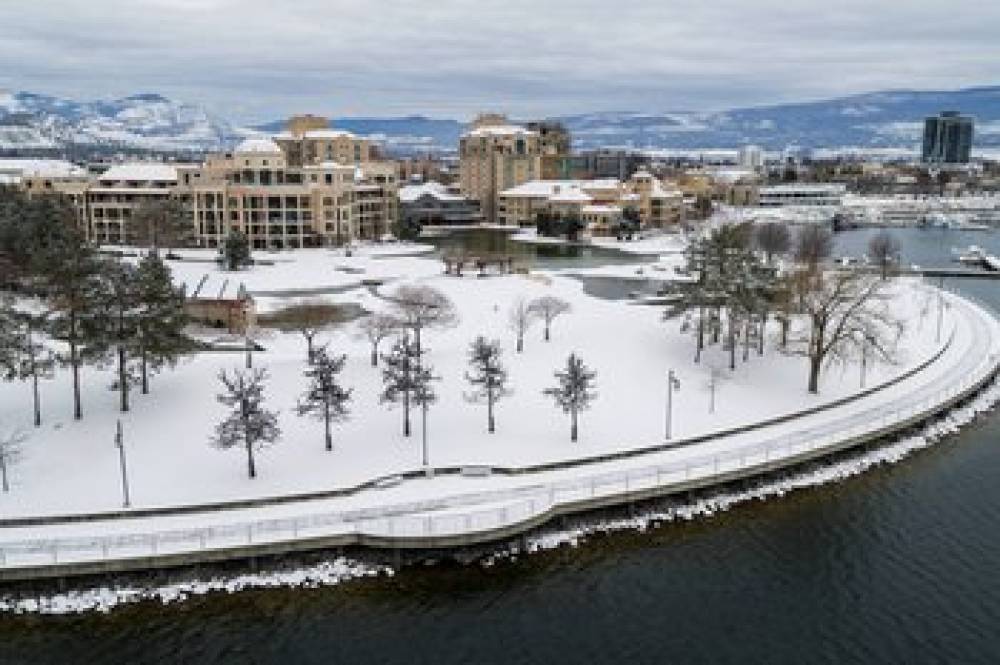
{"points": [[574, 391], [72, 281], [23, 354], [325, 398], [161, 318], [113, 328], [249, 425], [162, 224], [235, 251], [488, 376], [406, 379]]}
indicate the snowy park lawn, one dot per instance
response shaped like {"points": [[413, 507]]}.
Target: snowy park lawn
{"points": [[71, 466]]}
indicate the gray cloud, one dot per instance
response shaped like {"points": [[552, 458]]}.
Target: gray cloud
{"points": [[257, 59]]}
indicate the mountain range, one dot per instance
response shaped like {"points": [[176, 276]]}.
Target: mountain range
{"points": [[33, 123]]}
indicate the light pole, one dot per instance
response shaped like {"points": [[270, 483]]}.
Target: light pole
{"points": [[423, 435], [673, 383], [120, 444]]}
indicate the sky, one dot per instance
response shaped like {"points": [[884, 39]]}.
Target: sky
{"points": [[258, 60]]}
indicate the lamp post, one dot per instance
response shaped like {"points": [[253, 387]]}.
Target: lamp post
{"points": [[120, 445], [673, 383], [423, 435]]}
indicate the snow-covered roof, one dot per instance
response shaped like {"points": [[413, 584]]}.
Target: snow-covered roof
{"points": [[601, 210], [500, 130], [571, 195], [257, 145], [410, 193], [548, 188], [41, 168], [140, 171]]}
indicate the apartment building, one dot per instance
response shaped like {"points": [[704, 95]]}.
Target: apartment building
{"points": [[309, 140], [495, 155], [113, 198], [600, 204], [255, 188]]}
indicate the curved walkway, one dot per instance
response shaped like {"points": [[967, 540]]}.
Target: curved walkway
{"points": [[389, 515]]}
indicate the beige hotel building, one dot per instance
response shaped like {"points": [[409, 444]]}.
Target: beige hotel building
{"points": [[283, 193]]}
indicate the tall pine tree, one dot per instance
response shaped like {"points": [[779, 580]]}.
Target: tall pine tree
{"points": [[487, 376], [325, 398], [161, 318], [574, 391]]}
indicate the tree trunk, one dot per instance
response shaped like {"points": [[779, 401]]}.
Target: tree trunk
{"points": [[547, 331], [520, 342], [489, 412], [374, 355], [122, 378], [406, 413], [746, 341], [74, 361], [35, 397], [251, 468], [309, 349], [145, 370], [701, 335], [763, 331], [3, 472], [732, 342], [814, 368], [326, 419], [572, 431], [249, 354]]}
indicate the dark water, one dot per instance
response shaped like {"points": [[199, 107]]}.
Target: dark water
{"points": [[490, 242], [899, 565]]}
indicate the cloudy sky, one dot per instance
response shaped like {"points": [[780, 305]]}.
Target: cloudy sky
{"points": [[261, 59]]}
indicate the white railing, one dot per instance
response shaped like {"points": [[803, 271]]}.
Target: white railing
{"points": [[465, 514]]}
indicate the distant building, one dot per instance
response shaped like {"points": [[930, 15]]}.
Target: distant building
{"points": [[432, 204], [598, 203], [309, 140], [555, 143], [750, 157], [802, 194], [607, 163], [495, 155], [947, 138]]}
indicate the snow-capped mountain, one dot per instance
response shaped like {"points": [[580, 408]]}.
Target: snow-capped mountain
{"points": [[879, 119], [147, 122], [40, 123]]}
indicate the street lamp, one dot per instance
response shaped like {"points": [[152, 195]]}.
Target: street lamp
{"points": [[120, 445], [673, 383]]}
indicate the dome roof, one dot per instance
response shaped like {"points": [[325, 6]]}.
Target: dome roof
{"points": [[258, 145]]}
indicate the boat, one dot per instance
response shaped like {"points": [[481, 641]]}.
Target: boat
{"points": [[973, 255]]}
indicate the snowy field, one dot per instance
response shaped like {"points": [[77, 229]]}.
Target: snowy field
{"points": [[71, 466]]}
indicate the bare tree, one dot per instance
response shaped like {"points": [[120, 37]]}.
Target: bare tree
{"points": [[574, 391], [813, 245], [325, 398], [308, 318], [521, 317], [843, 309], [377, 327], [10, 454], [421, 307], [883, 251], [488, 376], [773, 239], [548, 309], [248, 424]]}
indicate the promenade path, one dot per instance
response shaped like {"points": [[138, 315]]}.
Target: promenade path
{"points": [[479, 504]]}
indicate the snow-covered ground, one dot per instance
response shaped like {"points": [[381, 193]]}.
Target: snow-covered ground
{"points": [[72, 466], [652, 244]]}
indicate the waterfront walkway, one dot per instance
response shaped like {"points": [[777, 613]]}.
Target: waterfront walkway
{"points": [[460, 506]]}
